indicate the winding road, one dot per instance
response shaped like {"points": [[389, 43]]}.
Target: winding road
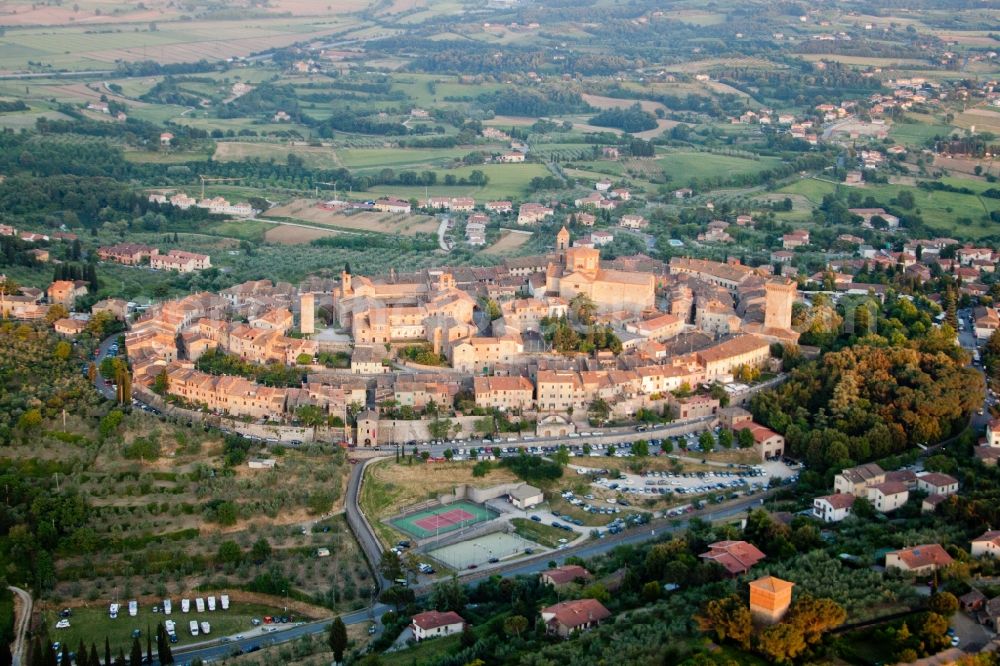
{"points": [[21, 625]]}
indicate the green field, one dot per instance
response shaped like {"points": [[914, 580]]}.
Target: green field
{"points": [[917, 133], [683, 166], [506, 181], [942, 212], [92, 624], [315, 157]]}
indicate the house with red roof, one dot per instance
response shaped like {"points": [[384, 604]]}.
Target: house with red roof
{"points": [[936, 483], [736, 557], [564, 575], [568, 617], [431, 624], [888, 496], [833, 508], [918, 560]]}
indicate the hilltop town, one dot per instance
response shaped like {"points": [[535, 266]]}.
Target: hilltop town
{"points": [[518, 332]]}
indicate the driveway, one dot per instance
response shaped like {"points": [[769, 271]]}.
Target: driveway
{"points": [[21, 626], [400, 642], [973, 636]]}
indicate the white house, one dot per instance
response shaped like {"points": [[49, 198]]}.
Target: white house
{"points": [[431, 624], [888, 496], [833, 508], [987, 544], [935, 483]]}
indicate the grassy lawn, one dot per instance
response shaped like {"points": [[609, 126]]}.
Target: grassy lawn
{"points": [[251, 230], [917, 133], [683, 166], [810, 188], [544, 535], [93, 624]]}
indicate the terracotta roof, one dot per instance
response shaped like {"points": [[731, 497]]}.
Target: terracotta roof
{"points": [[934, 499], [433, 619], [839, 500], [576, 613], [862, 473], [891, 487], [771, 584], [760, 433], [743, 344], [901, 476], [938, 479], [922, 556], [735, 556], [489, 384], [566, 574]]}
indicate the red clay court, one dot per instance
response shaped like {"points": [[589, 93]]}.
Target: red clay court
{"points": [[431, 523], [442, 519]]}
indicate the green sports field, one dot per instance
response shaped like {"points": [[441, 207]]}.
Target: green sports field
{"points": [[442, 519]]}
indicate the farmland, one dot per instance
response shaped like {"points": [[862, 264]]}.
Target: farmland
{"points": [[316, 157], [506, 181], [509, 242], [76, 48], [287, 234], [681, 167], [308, 211]]}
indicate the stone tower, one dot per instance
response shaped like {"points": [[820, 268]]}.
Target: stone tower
{"points": [[346, 288], [778, 304], [562, 240], [446, 281], [307, 313], [770, 598]]}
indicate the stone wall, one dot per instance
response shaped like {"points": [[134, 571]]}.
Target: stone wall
{"points": [[274, 432], [464, 491]]}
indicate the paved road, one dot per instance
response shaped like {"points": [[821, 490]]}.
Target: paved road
{"points": [[443, 228], [359, 523], [23, 620], [102, 351]]}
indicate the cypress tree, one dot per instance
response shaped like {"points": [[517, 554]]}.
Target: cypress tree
{"points": [[136, 655], [107, 652], [94, 659]]}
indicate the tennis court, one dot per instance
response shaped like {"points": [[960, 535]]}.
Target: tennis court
{"points": [[442, 519]]}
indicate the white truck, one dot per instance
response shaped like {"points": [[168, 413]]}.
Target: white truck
{"points": [[170, 626], [185, 605], [206, 628], [133, 608], [211, 604], [113, 611], [199, 603], [225, 601], [193, 627], [167, 607]]}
